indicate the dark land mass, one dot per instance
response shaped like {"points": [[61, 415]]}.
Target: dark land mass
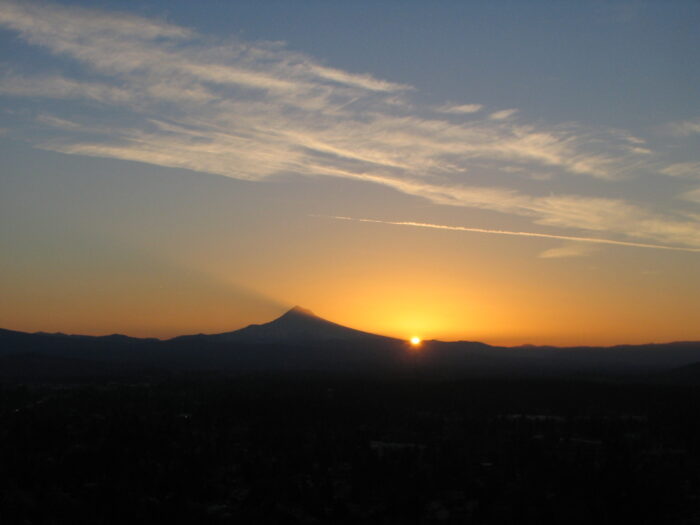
{"points": [[321, 448], [271, 424], [301, 341]]}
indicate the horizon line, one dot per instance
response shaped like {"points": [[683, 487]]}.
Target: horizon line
{"points": [[400, 339]]}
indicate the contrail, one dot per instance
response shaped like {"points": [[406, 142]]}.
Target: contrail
{"points": [[515, 233]]}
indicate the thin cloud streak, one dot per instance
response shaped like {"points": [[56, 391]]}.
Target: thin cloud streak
{"points": [[503, 114], [683, 169], [684, 128], [514, 233], [459, 109], [569, 249]]}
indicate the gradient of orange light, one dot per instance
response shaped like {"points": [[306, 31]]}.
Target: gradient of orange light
{"points": [[512, 300], [394, 282]]}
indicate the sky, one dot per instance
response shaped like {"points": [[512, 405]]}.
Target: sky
{"points": [[507, 172]]}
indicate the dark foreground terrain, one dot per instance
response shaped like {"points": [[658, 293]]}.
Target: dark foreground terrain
{"points": [[301, 448]]}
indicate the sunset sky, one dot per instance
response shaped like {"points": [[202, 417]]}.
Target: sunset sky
{"points": [[508, 172]]}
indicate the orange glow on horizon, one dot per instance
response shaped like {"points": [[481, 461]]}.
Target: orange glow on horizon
{"points": [[430, 292]]}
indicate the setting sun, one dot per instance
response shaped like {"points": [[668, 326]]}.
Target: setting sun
{"points": [[415, 340]]}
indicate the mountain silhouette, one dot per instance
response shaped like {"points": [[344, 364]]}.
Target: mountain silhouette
{"points": [[300, 340], [298, 325]]}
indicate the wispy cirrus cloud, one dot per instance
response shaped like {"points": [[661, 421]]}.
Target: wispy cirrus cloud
{"points": [[568, 250], [683, 169], [459, 109], [158, 93], [58, 87], [503, 114], [684, 128], [693, 196]]}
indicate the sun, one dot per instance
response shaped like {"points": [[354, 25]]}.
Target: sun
{"points": [[415, 340]]}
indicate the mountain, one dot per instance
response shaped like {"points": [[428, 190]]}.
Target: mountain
{"points": [[13, 342], [299, 340], [297, 326]]}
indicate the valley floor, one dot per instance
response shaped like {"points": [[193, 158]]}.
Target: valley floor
{"points": [[313, 449]]}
